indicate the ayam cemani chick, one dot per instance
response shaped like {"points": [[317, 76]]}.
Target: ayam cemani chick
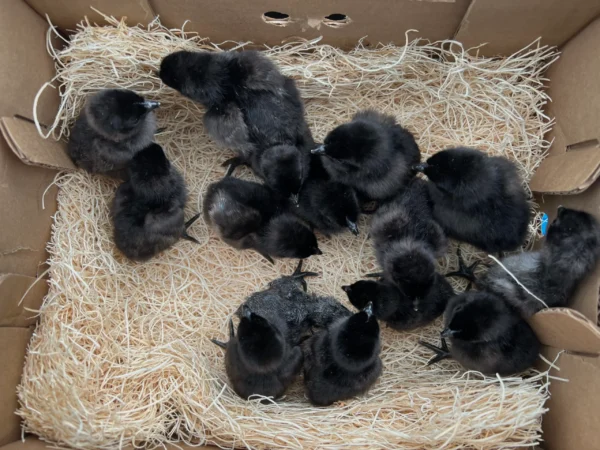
{"points": [[114, 125], [570, 252], [408, 241], [328, 206], [264, 357], [251, 108], [478, 199], [486, 334], [398, 310], [343, 360], [248, 215], [147, 210], [372, 154]]}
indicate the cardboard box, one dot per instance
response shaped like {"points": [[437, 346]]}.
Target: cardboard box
{"points": [[568, 176]]}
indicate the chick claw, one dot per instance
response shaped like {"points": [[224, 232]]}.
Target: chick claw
{"points": [[440, 353], [464, 271]]}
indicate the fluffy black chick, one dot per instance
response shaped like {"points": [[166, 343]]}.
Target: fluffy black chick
{"points": [[259, 360], [250, 107], [372, 154], [478, 199], [147, 210], [486, 334], [328, 206], [570, 252], [343, 360], [113, 126], [249, 215], [286, 299], [401, 312], [407, 240]]}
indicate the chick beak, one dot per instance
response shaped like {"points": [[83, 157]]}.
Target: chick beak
{"points": [[320, 150], [420, 167], [352, 227], [246, 313], [150, 105], [317, 251], [346, 289], [447, 333], [560, 209], [369, 310]]}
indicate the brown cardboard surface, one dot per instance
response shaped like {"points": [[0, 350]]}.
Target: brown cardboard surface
{"points": [[32, 443], [572, 420], [381, 21], [16, 310], [26, 65], [24, 223], [585, 298], [575, 90], [566, 329], [567, 173], [31, 148], [66, 14], [508, 25], [12, 354]]}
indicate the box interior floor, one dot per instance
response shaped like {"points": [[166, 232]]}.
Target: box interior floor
{"points": [[566, 177]]}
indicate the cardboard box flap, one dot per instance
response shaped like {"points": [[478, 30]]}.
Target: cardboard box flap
{"points": [[575, 92], [566, 329], [20, 297], [382, 21], [31, 148], [66, 14], [509, 25], [567, 173]]}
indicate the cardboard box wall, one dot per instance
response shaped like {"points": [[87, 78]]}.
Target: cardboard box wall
{"points": [[568, 176]]}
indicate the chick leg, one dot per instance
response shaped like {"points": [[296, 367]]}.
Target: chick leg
{"points": [[440, 353], [374, 275], [267, 257], [231, 336], [299, 274], [219, 343], [231, 164], [188, 224], [464, 271]]}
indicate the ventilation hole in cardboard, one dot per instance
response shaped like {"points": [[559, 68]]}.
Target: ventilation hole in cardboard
{"points": [[276, 18], [337, 20], [590, 143]]}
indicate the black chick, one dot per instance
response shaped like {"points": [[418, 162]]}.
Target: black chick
{"points": [[486, 334], [259, 360], [251, 108], [478, 199], [343, 360], [570, 252], [328, 206], [147, 210], [286, 299], [112, 127], [394, 307], [408, 241], [372, 154], [249, 215]]}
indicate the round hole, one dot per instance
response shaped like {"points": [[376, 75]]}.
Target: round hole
{"points": [[276, 15], [276, 18], [336, 20]]}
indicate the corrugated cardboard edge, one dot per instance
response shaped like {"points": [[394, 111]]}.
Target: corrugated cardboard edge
{"points": [[567, 173], [25, 142], [565, 328], [15, 341], [20, 297]]}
